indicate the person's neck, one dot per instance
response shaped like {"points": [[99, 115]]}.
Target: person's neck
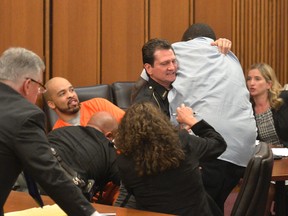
{"points": [[165, 85], [68, 117], [262, 103], [11, 84], [94, 126]]}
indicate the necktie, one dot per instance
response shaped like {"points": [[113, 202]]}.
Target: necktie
{"points": [[33, 190]]}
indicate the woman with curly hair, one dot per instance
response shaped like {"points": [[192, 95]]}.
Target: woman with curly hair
{"points": [[159, 164], [270, 104]]}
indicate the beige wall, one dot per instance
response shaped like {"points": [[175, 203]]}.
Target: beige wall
{"points": [[99, 41]]}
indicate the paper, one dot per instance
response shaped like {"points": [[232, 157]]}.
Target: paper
{"points": [[47, 210], [280, 152], [107, 214]]}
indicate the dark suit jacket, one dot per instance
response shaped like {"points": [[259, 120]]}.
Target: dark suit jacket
{"points": [[24, 146], [88, 152], [280, 118]]}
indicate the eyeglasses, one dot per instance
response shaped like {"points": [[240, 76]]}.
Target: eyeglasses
{"points": [[41, 89]]}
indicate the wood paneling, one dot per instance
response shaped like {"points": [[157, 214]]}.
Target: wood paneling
{"points": [[122, 37], [47, 39], [260, 34], [21, 24], [217, 14], [75, 41], [100, 41], [132, 24], [169, 19]]}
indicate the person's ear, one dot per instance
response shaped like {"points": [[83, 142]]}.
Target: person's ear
{"points": [[51, 104], [148, 68], [109, 135], [26, 87], [269, 84]]}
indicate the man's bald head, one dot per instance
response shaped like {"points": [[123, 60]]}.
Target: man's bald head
{"points": [[104, 122], [54, 85]]}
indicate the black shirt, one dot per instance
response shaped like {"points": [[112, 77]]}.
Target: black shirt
{"points": [[155, 93]]}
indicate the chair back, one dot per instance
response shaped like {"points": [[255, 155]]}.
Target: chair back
{"points": [[122, 93], [100, 90], [252, 197], [84, 93]]}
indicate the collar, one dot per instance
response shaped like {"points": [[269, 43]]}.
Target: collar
{"points": [[161, 90]]}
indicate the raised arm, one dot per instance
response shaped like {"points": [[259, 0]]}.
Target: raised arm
{"points": [[208, 143], [224, 45]]}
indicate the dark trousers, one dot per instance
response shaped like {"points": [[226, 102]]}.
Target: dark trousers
{"points": [[219, 179]]}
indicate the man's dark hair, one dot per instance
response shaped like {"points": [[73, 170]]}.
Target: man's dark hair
{"points": [[198, 30], [151, 46]]}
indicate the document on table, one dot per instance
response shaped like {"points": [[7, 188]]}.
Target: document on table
{"points": [[280, 152], [47, 210]]}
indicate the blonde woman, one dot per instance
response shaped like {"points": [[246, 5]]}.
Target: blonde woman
{"points": [[270, 104]]}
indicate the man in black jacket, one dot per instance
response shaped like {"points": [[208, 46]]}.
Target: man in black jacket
{"points": [[23, 142], [87, 151]]}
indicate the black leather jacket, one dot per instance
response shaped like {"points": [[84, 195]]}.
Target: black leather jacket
{"points": [[155, 93]]}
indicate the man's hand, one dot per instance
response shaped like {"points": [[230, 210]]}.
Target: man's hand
{"points": [[223, 44], [185, 117]]}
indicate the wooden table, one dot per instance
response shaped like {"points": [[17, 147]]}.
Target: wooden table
{"points": [[20, 201], [279, 175], [280, 170]]}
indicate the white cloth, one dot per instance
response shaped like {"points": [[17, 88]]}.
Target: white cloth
{"points": [[213, 85], [102, 214], [48, 210], [96, 214]]}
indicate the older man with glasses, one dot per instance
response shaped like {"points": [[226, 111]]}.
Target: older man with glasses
{"points": [[23, 142], [41, 89]]}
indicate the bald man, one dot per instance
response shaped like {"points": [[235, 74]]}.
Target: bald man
{"points": [[104, 122], [88, 150], [62, 98]]}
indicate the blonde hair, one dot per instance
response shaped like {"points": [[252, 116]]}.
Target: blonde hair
{"points": [[269, 75]]}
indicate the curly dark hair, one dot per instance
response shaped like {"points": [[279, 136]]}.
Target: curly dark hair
{"points": [[146, 135]]}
